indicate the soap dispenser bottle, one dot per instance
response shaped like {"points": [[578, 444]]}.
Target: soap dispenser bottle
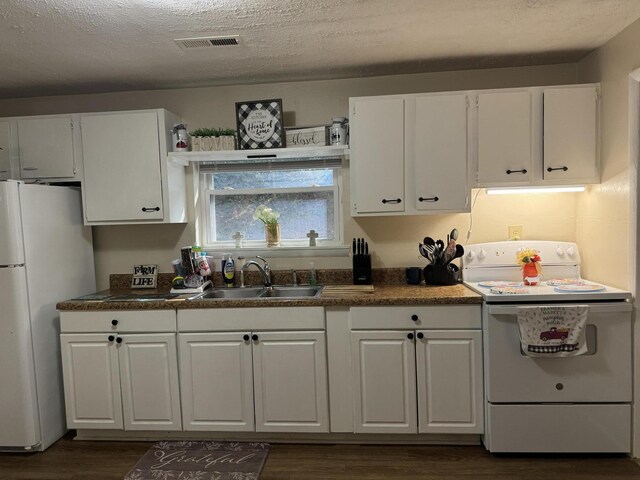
{"points": [[228, 270]]}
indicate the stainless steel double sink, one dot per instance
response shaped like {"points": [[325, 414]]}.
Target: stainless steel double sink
{"points": [[284, 292], [310, 291]]}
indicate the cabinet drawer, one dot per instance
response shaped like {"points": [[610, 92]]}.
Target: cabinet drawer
{"points": [[263, 319], [148, 321], [402, 317]]}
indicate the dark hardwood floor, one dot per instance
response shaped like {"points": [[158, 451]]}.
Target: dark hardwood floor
{"points": [[80, 460]]}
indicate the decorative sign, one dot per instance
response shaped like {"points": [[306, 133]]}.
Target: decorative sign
{"points": [[144, 276], [260, 124], [307, 137]]}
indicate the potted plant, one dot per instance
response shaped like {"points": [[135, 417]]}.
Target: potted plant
{"points": [[269, 217], [212, 139]]}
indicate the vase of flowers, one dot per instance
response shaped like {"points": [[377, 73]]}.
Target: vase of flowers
{"points": [[269, 217]]}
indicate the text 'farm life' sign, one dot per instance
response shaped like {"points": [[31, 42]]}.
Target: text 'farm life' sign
{"points": [[144, 276]]}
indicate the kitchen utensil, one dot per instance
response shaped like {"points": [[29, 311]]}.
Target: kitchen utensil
{"points": [[425, 252], [454, 234], [450, 251], [439, 251], [429, 241], [458, 254]]}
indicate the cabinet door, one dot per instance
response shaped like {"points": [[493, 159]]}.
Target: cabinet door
{"points": [[449, 372], [504, 138], [377, 143], [46, 147], [91, 381], [216, 380], [149, 381], [290, 378], [384, 373], [570, 132], [5, 150], [440, 153], [122, 179]]}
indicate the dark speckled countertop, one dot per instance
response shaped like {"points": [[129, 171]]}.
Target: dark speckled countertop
{"points": [[393, 294]]}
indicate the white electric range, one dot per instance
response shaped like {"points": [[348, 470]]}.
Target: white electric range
{"points": [[533, 404]]}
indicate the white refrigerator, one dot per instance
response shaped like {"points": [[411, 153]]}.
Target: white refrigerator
{"points": [[46, 256]]}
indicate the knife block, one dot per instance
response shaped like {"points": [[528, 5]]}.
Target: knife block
{"points": [[362, 269]]}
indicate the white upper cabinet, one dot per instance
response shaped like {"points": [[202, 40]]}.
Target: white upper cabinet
{"points": [[377, 145], [405, 151], [127, 176], [46, 147], [537, 136], [504, 138], [5, 150], [439, 138], [570, 134]]}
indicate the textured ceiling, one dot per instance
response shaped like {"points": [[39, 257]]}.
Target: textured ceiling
{"points": [[85, 46]]}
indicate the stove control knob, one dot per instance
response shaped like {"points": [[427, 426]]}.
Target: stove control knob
{"points": [[560, 252], [471, 255], [571, 251], [482, 254]]}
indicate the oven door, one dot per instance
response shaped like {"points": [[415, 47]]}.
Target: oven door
{"points": [[603, 374]]}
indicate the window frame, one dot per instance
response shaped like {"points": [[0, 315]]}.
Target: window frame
{"points": [[335, 247]]}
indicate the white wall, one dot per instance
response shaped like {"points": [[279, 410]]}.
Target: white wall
{"points": [[603, 211], [392, 240]]}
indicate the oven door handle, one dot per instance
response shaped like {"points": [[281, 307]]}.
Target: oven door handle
{"points": [[593, 307]]}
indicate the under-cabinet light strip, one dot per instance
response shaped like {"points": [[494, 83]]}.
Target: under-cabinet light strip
{"points": [[515, 191]]}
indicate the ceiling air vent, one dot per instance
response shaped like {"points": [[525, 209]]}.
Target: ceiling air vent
{"points": [[207, 42]]}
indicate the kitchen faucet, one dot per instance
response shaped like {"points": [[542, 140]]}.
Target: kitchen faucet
{"points": [[265, 271]]}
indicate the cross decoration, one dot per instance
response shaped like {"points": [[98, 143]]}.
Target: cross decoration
{"points": [[312, 235], [238, 238]]}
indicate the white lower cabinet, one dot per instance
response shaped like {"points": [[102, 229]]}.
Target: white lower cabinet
{"points": [[121, 381], [385, 378], [449, 380], [283, 375], [216, 375], [416, 369], [417, 381]]}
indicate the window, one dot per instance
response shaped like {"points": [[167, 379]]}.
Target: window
{"points": [[306, 194]]}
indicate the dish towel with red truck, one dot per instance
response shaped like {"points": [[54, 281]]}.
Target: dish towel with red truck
{"points": [[553, 331]]}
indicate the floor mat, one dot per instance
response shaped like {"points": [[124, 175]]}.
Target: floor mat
{"points": [[190, 460]]}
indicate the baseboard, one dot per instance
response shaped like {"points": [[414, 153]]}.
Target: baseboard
{"points": [[318, 438]]}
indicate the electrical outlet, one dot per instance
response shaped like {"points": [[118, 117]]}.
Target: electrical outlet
{"points": [[515, 232]]}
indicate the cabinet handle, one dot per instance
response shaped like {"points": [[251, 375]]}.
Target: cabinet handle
{"points": [[553, 169], [150, 209], [4, 171], [420, 335], [410, 336], [245, 337], [114, 322], [29, 169], [414, 318], [509, 172], [254, 337], [111, 338], [392, 200], [428, 199], [119, 340]]}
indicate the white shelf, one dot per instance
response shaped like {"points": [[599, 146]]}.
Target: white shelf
{"points": [[330, 151]]}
